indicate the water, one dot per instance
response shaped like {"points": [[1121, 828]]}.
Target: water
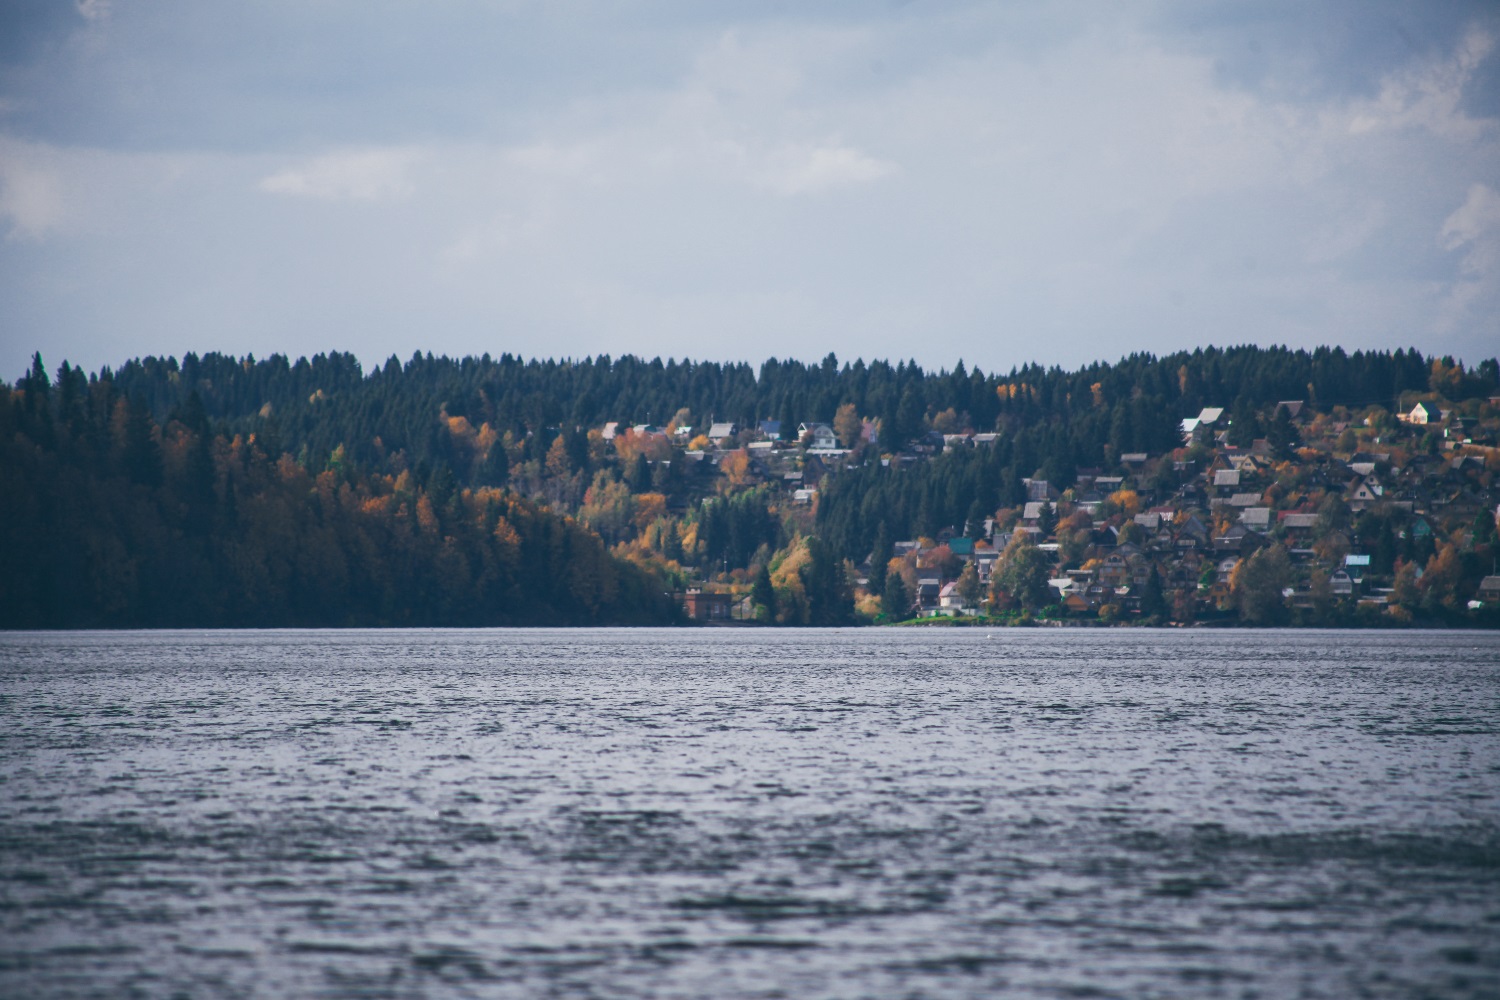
{"points": [[743, 813]]}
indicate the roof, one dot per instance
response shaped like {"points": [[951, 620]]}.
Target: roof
{"points": [[1298, 520], [1256, 516], [1244, 500], [1227, 477], [721, 431], [1356, 560], [1211, 414]]}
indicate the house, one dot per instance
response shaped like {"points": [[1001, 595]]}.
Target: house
{"points": [[1294, 520], [704, 605], [769, 429], [1363, 492], [1419, 414], [1258, 518], [1293, 409], [1032, 512], [929, 594], [611, 430], [984, 562], [1489, 590], [950, 601], [1342, 583], [1040, 489], [818, 436], [717, 433]]}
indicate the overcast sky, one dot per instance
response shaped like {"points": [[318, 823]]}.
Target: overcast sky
{"points": [[997, 182]]}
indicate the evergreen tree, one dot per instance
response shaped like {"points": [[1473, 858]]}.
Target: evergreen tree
{"points": [[763, 596], [895, 601]]}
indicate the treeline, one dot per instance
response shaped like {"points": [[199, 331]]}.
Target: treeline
{"points": [[111, 518], [232, 491], [312, 406]]}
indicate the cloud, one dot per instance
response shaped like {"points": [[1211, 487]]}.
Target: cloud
{"points": [[351, 175], [997, 182], [1476, 225], [802, 170], [1431, 94], [32, 202], [1473, 229], [94, 10]]}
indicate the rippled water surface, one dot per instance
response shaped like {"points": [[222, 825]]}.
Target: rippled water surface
{"points": [[744, 813]]}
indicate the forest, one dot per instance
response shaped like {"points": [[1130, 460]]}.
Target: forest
{"points": [[223, 491]]}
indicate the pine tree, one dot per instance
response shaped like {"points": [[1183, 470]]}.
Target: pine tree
{"points": [[895, 602]]}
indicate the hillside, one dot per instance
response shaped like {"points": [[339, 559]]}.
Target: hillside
{"points": [[1253, 485]]}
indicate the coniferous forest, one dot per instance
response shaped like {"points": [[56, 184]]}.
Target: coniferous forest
{"points": [[223, 491]]}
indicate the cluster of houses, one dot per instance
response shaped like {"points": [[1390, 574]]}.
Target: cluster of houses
{"points": [[1109, 534], [1111, 531]]}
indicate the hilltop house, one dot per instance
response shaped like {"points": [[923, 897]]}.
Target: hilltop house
{"points": [[819, 437]]}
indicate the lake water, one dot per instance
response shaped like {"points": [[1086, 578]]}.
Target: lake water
{"points": [[746, 813]]}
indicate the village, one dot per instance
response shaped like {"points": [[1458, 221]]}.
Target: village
{"points": [[1334, 518]]}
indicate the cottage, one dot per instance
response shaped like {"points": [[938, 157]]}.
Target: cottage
{"points": [[717, 433], [1258, 518], [704, 605], [1489, 590], [818, 436], [929, 594], [1040, 489], [1296, 521], [1419, 414]]}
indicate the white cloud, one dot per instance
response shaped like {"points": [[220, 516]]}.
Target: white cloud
{"points": [[94, 10], [31, 190], [1474, 229], [1428, 95], [803, 170], [1475, 225], [353, 175]]}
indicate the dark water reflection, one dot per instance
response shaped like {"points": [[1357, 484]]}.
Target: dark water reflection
{"points": [[742, 814]]}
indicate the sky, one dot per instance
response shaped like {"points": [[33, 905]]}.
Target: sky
{"points": [[997, 183]]}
